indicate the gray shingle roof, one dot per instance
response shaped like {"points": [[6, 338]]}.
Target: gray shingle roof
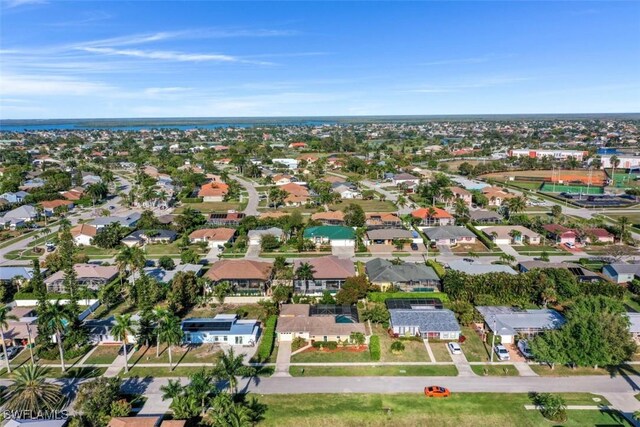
{"points": [[426, 320], [447, 232], [508, 320], [382, 270], [475, 268], [389, 233]]}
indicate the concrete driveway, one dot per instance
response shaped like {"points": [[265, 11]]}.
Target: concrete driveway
{"points": [[343, 251]]}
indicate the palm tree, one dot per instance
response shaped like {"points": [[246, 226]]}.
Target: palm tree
{"points": [[461, 208], [160, 314], [305, 272], [615, 161], [171, 334], [58, 316], [517, 204], [121, 330], [172, 390], [623, 223], [401, 201], [129, 259], [4, 318], [222, 290], [230, 367], [31, 393]]}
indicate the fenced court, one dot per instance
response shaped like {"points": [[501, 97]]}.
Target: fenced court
{"points": [[570, 177], [549, 187], [626, 179]]}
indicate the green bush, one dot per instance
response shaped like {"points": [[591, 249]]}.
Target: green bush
{"points": [[481, 236], [268, 338], [53, 353], [397, 347], [331, 345], [437, 267], [192, 200], [552, 406], [374, 348]]}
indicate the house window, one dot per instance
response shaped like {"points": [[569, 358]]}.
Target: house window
{"points": [[224, 338], [216, 338], [238, 340]]}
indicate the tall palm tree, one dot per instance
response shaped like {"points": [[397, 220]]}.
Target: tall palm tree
{"points": [[230, 367], [31, 393], [615, 161], [4, 324], [121, 330], [623, 223], [172, 390], [58, 316], [305, 272], [517, 204], [171, 334], [132, 259], [160, 314]]}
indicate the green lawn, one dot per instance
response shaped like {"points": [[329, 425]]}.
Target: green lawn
{"points": [[367, 205], [495, 370], [373, 371], [537, 248], [473, 348], [414, 351], [440, 351], [400, 410], [103, 354], [337, 356], [170, 249], [69, 373], [148, 371], [563, 371], [94, 251], [205, 353], [208, 207]]}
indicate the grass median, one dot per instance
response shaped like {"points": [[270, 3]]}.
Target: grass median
{"points": [[373, 371]]}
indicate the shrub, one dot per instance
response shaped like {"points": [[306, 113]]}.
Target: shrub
{"points": [[374, 348], [552, 406], [268, 337], [298, 343], [397, 347], [383, 296], [192, 200], [437, 267], [331, 345], [481, 236]]}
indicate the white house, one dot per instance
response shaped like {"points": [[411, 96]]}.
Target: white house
{"points": [[288, 163], [222, 329], [255, 236], [83, 233]]}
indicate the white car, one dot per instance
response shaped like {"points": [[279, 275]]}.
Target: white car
{"points": [[523, 346], [454, 348], [502, 352]]}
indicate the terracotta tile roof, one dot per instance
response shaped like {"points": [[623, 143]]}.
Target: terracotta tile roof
{"points": [[72, 194], [598, 232], [138, 421], [328, 216], [213, 189], [423, 213], [328, 267], [382, 216], [213, 233], [295, 189], [296, 199], [239, 270], [84, 229], [52, 204]]}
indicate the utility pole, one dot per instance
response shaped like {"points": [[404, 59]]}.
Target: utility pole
{"points": [[493, 338]]}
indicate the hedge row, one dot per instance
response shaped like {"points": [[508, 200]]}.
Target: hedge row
{"points": [[437, 267], [331, 345], [481, 236], [268, 338], [383, 296], [192, 200], [374, 348]]}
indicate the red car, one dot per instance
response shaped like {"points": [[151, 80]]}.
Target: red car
{"points": [[436, 391]]}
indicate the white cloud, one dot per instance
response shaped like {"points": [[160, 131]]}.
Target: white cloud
{"points": [[40, 85], [166, 55], [18, 3]]}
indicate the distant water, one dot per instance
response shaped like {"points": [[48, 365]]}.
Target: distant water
{"points": [[247, 122]]}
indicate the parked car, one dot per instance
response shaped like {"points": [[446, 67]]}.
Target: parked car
{"points": [[111, 207], [570, 245], [468, 259], [436, 391], [502, 352], [11, 352], [523, 346], [50, 246], [414, 246], [454, 348]]}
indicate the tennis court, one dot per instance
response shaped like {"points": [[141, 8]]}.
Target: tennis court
{"points": [[574, 189]]}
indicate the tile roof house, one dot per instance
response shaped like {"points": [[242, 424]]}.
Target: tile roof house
{"points": [[74, 194], [83, 233], [449, 235], [89, 275], [433, 216], [382, 220], [496, 195], [311, 323], [511, 235], [433, 323], [213, 192], [330, 273], [407, 276], [329, 217], [245, 276], [297, 195], [596, 235], [49, 206], [508, 322], [561, 234], [213, 236]]}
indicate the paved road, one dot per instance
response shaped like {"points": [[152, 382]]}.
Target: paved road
{"points": [[252, 204]]}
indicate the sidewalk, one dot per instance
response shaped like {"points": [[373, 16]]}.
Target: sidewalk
{"points": [[524, 369]]}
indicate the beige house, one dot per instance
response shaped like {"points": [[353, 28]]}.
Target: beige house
{"points": [[317, 323], [511, 235]]}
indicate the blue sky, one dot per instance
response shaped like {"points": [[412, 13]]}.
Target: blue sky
{"points": [[65, 59]]}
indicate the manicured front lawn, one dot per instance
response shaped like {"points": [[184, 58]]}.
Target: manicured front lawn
{"points": [[414, 351], [69, 373], [336, 356], [473, 347], [461, 409], [170, 249], [103, 354], [562, 371], [208, 207], [495, 370], [160, 372], [367, 205], [534, 248], [372, 371], [205, 353], [440, 351]]}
